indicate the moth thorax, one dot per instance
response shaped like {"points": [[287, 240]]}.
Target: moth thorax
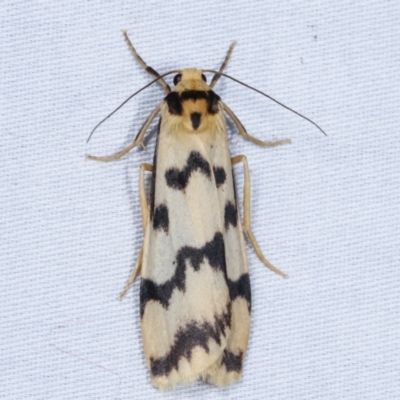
{"points": [[194, 115], [193, 110]]}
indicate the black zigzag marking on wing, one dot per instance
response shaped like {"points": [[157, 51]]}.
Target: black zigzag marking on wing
{"points": [[232, 362], [220, 176], [240, 288], [161, 218], [178, 179], [186, 339], [230, 215], [214, 251]]}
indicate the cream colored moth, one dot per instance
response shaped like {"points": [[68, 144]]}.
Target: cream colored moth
{"points": [[195, 288]]}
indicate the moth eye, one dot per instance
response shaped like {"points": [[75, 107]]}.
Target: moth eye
{"points": [[177, 79], [203, 77]]}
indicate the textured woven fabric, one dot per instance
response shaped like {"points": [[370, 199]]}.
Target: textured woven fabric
{"points": [[324, 209]]}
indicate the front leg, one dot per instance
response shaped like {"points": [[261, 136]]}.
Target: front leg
{"points": [[144, 205], [243, 132], [138, 140], [246, 214]]}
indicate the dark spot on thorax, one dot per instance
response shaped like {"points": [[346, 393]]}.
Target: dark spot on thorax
{"points": [[195, 117], [175, 99]]}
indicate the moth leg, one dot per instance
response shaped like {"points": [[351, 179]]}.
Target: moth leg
{"points": [[146, 67], [145, 214], [134, 273], [243, 132], [246, 214], [138, 140]]}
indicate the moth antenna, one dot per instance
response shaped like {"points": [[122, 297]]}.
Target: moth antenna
{"points": [[218, 74], [266, 95], [124, 102], [146, 67]]}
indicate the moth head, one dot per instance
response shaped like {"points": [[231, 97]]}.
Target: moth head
{"points": [[190, 79]]}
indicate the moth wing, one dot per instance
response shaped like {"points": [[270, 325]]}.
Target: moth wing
{"points": [[195, 292]]}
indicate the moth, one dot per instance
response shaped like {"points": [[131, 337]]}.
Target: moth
{"points": [[195, 297]]}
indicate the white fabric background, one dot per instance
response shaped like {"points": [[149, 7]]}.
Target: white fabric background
{"points": [[324, 209]]}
